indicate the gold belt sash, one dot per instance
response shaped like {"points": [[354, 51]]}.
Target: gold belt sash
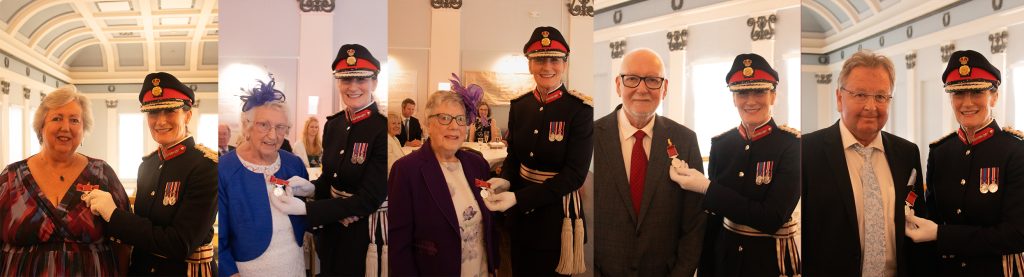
{"points": [[535, 176], [785, 243], [200, 263]]}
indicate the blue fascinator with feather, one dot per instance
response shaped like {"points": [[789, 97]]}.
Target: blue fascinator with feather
{"points": [[260, 94]]}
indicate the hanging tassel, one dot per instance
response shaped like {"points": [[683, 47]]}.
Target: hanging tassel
{"points": [[565, 266], [384, 249], [579, 264], [371, 250]]}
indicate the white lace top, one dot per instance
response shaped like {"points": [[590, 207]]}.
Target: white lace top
{"points": [[283, 256]]}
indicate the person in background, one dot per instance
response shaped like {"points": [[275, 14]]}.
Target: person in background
{"points": [[223, 137], [412, 133], [484, 129], [46, 227], [394, 146], [311, 148]]}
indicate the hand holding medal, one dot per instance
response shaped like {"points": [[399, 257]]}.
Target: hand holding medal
{"points": [[485, 188], [677, 164]]}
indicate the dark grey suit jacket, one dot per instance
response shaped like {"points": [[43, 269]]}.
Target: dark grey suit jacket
{"points": [[666, 239]]}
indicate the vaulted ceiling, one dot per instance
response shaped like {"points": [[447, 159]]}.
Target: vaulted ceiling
{"points": [[828, 17], [114, 36]]}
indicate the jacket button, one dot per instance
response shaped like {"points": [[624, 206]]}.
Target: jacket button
{"points": [[741, 248], [747, 147], [963, 264], [151, 193], [531, 154], [535, 131], [957, 211], [335, 175], [542, 109], [741, 173], [968, 152], [343, 151], [152, 270], [963, 182], [944, 256]]}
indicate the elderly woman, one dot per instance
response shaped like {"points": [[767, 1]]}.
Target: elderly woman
{"points": [[256, 238], [439, 225], [975, 181], [394, 145], [483, 128], [310, 149], [45, 227]]}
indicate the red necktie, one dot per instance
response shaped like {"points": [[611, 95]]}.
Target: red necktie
{"points": [[637, 171]]}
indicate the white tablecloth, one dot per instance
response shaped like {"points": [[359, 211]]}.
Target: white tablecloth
{"points": [[494, 157]]}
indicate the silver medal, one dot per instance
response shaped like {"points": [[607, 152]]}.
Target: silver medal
{"points": [[278, 190], [484, 193]]}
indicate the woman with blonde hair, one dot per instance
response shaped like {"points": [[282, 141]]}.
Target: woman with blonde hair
{"points": [[310, 149]]}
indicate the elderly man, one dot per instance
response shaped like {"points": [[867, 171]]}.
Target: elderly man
{"points": [[223, 137], [550, 143], [855, 178], [631, 187]]}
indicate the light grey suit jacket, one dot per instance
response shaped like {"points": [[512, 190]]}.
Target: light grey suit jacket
{"points": [[666, 238]]}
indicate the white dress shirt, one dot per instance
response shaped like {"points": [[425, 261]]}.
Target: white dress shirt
{"points": [[885, 183], [626, 138]]}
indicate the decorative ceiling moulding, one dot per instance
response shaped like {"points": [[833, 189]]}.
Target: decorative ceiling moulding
{"points": [[998, 41], [5, 87], [762, 27], [197, 103], [316, 5], [618, 48], [823, 79], [26, 92], [947, 50], [11, 62], [111, 104], [823, 59], [581, 8], [940, 21], [446, 4], [911, 59], [676, 40], [617, 16]]}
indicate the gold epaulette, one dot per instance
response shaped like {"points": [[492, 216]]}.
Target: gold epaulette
{"points": [[208, 153], [790, 130], [589, 101], [936, 142], [1014, 132]]}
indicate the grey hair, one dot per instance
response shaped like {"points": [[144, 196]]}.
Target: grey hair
{"points": [[250, 115], [444, 96], [866, 58], [60, 97]]}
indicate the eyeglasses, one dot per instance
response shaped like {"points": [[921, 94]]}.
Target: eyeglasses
{"points": [[861, 97], [265, 127], [446, 119], [632, 81]]}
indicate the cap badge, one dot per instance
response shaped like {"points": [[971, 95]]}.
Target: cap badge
{"points": [[545, 41], [964, 68], [747, 70], [351, 57], [157, 91]]}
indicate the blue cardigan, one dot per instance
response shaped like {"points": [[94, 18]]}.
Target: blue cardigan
{"points": [[245, 224]]}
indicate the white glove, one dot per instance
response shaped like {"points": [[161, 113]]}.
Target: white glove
{"points": [[287, 203], [689, 179], [301, 187], [500, 202], [925, 230], [499, 185], [348, 220], [101, 203]]}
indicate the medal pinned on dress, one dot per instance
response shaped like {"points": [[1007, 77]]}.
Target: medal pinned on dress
{"points": [[556, 130], [764, 172], [359, 152], [171, 193], [278, 185], [989, 180], [485, 188], [86, 188]]}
